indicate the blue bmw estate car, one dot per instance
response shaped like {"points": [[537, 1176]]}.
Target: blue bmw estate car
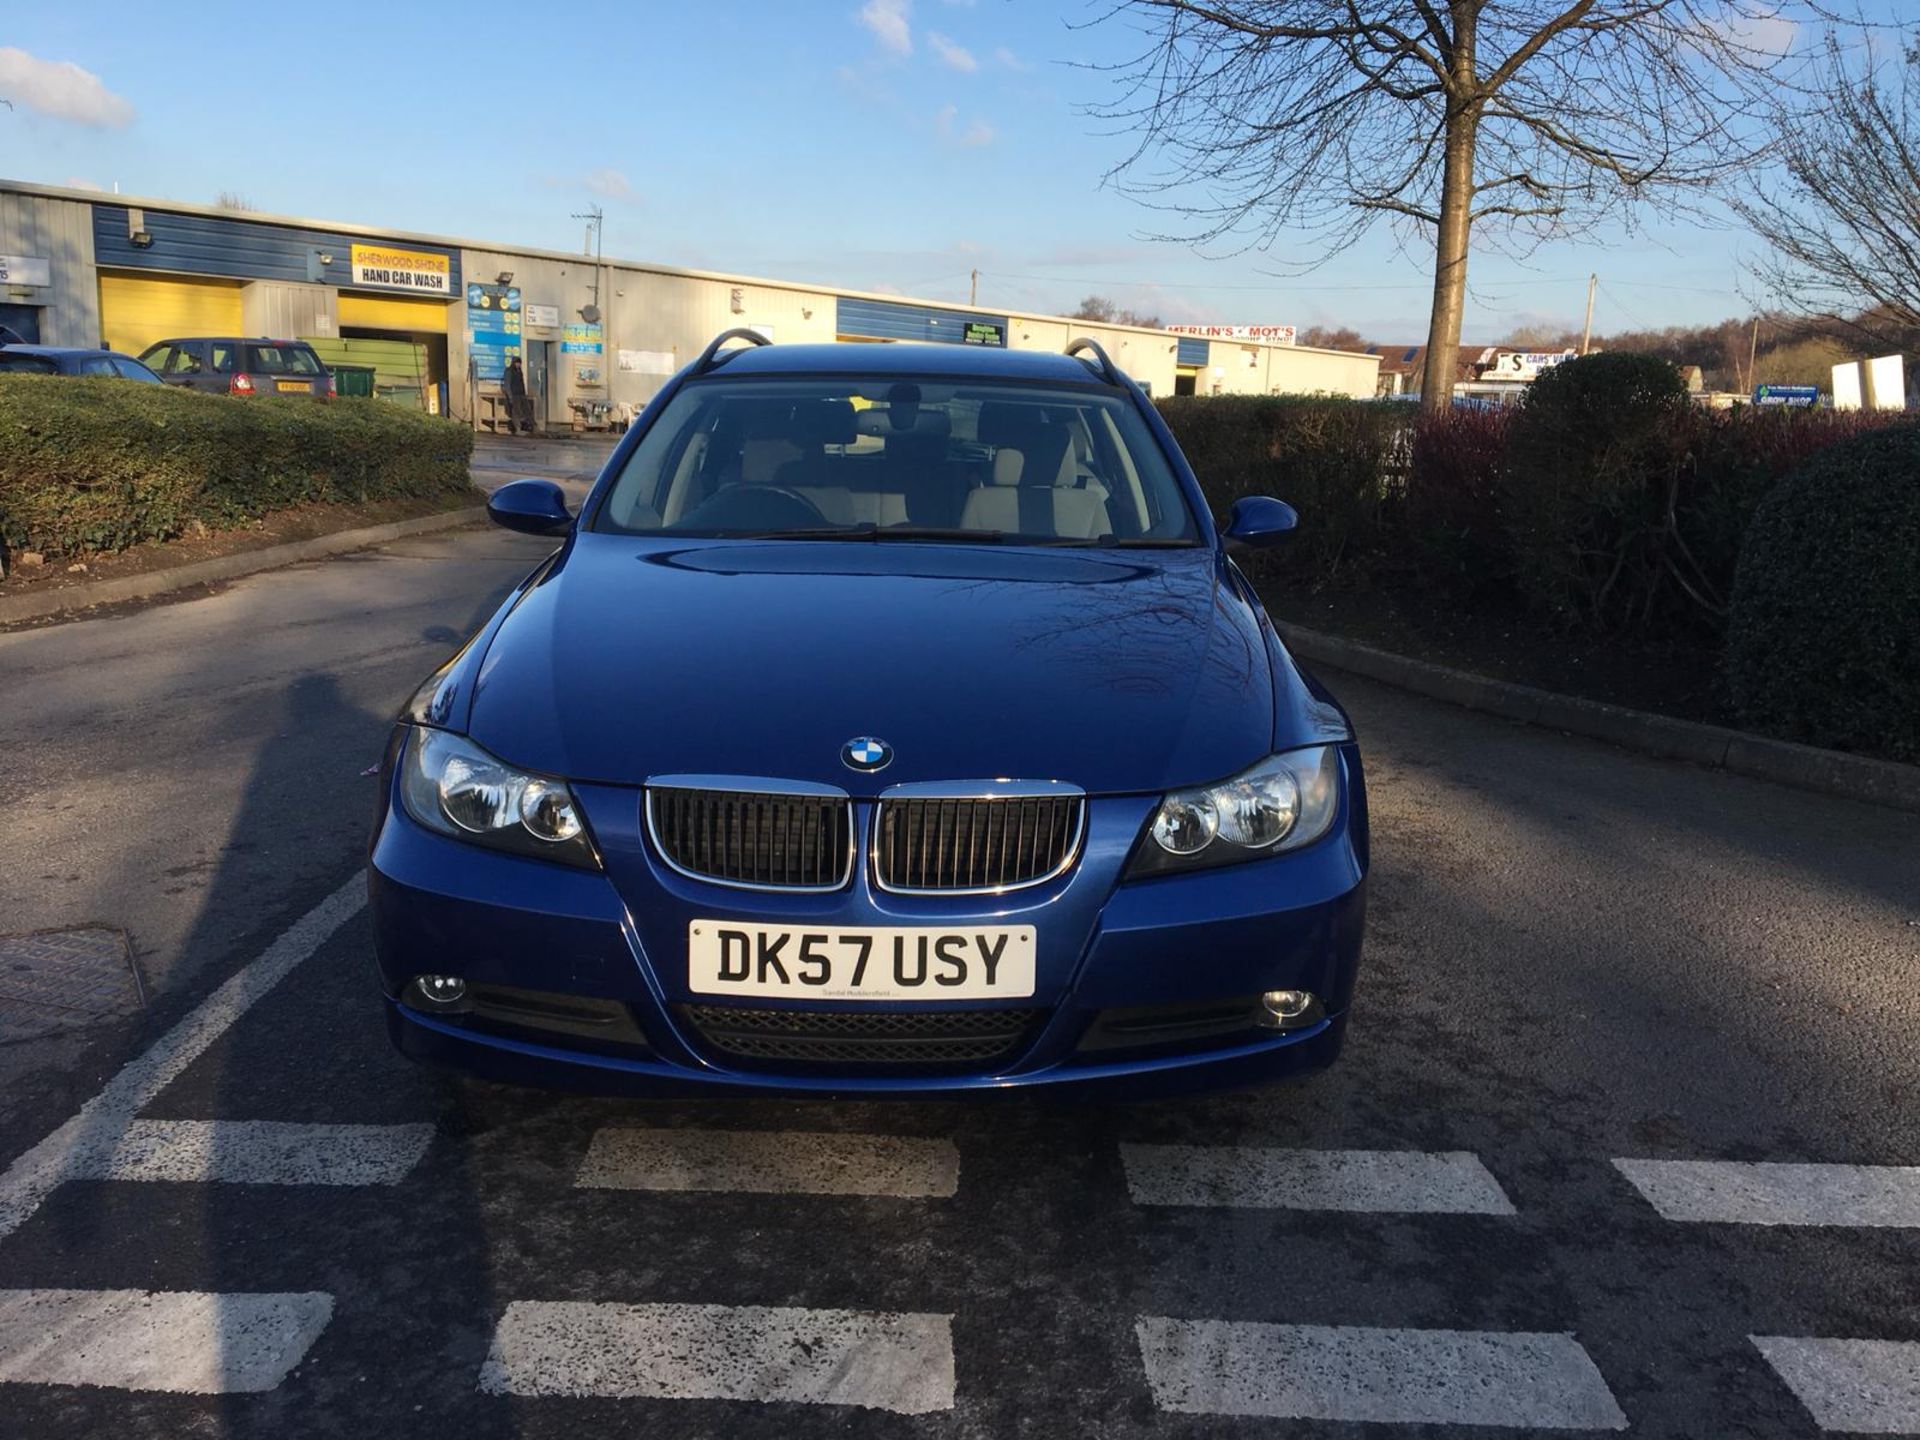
{"points": [[890, 719]]}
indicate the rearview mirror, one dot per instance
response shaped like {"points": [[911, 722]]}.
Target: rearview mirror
{"points": [[533, 507], [1258, 521]]}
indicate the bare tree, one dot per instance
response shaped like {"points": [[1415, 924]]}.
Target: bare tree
{"points": [[1842, 209], [1102, 310], [1264, 121], [1321, 338]]}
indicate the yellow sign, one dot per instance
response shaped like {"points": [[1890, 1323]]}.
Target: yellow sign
{"points": [[421, 271]]}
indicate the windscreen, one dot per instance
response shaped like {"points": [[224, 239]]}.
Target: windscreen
{"points": [[30, 364], [812, 458]]}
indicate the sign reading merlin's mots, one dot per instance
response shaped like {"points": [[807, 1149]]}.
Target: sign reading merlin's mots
{"points": [[1273, 334], [423, 272]]}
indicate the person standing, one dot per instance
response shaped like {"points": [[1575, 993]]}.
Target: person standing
{"points": [[519, 406]]}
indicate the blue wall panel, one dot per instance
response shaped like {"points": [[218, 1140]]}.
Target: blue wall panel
{"points": [[239, 249], [885, 320], [1193, 351]]}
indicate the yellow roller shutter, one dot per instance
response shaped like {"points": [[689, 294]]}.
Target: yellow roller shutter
{"points": [[407, 313], [136, 310]]}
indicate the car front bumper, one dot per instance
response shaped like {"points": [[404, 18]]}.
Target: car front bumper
{"points": [[612, 944]]}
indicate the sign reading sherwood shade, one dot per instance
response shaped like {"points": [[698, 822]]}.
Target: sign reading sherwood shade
{"points": [[846, 962], [25, 270], [423, 272]]}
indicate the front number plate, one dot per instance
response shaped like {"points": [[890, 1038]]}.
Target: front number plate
{"points": [[964, 962]]}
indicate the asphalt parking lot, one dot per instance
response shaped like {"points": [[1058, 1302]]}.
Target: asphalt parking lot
{"points": [[1624, 1137]]}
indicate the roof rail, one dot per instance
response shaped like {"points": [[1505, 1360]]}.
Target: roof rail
{"points": [[712, 359], [1107, 367]]}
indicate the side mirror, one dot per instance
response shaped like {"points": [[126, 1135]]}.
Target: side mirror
{"points": [[534, 507], [1258, 521]]}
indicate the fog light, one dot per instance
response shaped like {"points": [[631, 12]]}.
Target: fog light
{"points": [[437, 992], [1290, 1009]]}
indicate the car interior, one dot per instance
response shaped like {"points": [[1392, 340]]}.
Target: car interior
{"points": [[1030, 464]]}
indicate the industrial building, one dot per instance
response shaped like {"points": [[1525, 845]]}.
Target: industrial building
{"points": [[435, 320]]}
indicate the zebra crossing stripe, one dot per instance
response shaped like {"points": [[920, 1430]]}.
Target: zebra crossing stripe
{"points": [[788, 1162], [76, 1148], [187, 1342], [897, 1362], [1352, 1374], [1450, 1182], [1743, 1193], [262, 1152], [1867, 1387]]}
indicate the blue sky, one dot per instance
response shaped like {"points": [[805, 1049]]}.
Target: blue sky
{"points": [[877, 144]]}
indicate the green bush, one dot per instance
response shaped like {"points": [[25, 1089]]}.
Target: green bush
{"points": [[103, 464], [1597, 453], [1823, 643], [1328, 458]]}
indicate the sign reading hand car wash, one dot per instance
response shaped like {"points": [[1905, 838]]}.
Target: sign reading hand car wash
{"points": [[382, 267]]}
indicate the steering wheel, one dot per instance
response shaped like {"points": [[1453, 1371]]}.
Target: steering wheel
{"points": [[754, 507]]}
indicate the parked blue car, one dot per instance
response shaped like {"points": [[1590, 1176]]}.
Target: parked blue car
{"points": [[891, 719]]}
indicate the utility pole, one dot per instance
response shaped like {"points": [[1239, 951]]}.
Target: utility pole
{"points": [[595, 218], [1586, 336], [973, 289], [1753, 354]]}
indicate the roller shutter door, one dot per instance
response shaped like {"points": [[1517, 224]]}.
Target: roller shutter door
{"points": [[407, 314], [136, 310]]}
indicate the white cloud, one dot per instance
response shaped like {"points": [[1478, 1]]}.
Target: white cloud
{"points": [[976, 134], [887, 20], [1003, 56], [61, 89], [954, 56], [608, 182]]}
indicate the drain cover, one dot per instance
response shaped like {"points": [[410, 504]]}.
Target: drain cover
{"points": [[57, 977]]}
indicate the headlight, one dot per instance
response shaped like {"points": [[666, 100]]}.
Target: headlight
{"points": [[450, 784], [1283, 803]]}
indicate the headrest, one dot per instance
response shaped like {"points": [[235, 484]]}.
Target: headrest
{"points": [[1036, 460], [823, 422]]}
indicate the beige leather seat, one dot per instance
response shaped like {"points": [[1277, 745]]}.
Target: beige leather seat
{"points": [[1021, 508]]}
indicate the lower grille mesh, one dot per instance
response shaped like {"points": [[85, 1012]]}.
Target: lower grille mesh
{"points": [[851, 1037]]}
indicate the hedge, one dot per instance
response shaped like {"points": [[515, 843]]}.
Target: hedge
{"points": [[1326, 457], [1823, 644], [102, 464]]}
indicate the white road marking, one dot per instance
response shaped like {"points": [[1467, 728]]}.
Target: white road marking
{"points": [[1412, 1377], [897, 1362], [79, 1146], [782, 1162], [1445, 1182], [1742, 1193], [1868, 1387], [264, 1152], [187, 1342]]}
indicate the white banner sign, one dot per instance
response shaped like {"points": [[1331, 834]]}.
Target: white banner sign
{"points": [[647, 362], [547, 316], [25, 270], [1525, 365], [382, 267], [1272, 334]]}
